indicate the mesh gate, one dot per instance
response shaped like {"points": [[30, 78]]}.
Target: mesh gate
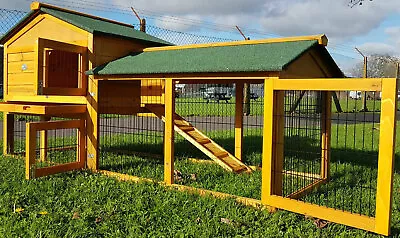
{"points": [[330, 165]]}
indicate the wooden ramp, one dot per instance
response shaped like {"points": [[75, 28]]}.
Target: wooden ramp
{"points": [[202, 142]]}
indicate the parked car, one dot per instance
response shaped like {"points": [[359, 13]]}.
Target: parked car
{"points": [[217, 94], [355, 95]]}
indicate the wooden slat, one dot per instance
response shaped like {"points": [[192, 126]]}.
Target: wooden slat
{"points": [[50, 110], [18, 57], [169, 131], [203, 143], [239, 120], [30, 156], [16, 67], [48, 99], [267, 150], [341, 84], [387, 140], [41, 172], [322, 39], [329, 214], [21, 79], [8, 133]]}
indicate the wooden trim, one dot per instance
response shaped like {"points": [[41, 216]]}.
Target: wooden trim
{"points": [[331, 84], [81, 150], [92, 114], [169, 131], [307, 189], [57, 45], [39, 64], [48, 110], [278, 141], [30, 154], [54, 125], [329, 214], [202, 192], [46, 171], [5, 71], [64, 91], [195, 77], [387, 141], [239, 121], [38, 5], [301, 174], [8, 133], [43, 140], [48, 99], [17, 50], [267, 150], [326, 134], [322, 39]]}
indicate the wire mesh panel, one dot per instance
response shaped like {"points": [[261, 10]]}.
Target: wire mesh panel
{"points": [[210, 109], [349, 181], [131, 135], [19, 133], [340, 166], [54, 147], [132, 145]]}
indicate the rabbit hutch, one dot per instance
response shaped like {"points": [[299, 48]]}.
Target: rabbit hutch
{"points": [[77, 86]]}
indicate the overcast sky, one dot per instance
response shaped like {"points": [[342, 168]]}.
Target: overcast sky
{"points": [[374, 27]]}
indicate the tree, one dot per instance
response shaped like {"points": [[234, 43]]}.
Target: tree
{"points": [[379, 66]]}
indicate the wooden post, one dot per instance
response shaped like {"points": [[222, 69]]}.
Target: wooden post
{"points": [[92, 116], [169, 131], [247, 99], [279, 135], [30, 160], [8, 133], [387, 141], [326, 133], [365, 75], [267, 153], [43, 140], [143, 25], [239, 121]]}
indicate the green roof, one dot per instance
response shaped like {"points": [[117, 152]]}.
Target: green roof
{"points": [[240, 58], [93, 25]]}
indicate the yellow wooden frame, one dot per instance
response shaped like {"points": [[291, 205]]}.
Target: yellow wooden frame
{"points": [[381, 222], [32, 128], [41, 63]]}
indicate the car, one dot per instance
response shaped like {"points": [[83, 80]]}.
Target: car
{"points": [[254, 96], [217, 94], [355, 95]]}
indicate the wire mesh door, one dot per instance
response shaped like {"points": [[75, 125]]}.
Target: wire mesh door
{"points": [[332, 154], [54, 147]]}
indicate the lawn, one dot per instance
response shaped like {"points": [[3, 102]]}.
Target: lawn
{"points": [[82, 204]]}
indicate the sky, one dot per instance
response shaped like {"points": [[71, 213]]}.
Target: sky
{"points": [[373, 27]]}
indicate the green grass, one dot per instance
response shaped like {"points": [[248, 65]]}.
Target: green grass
{"points": [[124, 209], [149, 210]]}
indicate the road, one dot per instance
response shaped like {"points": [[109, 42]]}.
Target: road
{"points": [[127, 125]]}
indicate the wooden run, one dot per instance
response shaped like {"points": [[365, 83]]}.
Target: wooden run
{"points": [[202, 142], [202, 192]]}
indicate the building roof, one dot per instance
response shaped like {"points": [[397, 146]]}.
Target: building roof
{"points": [[92, 24], [249, 56]]}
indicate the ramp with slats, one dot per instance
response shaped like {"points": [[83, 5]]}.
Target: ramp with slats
{"points": [[202, 142]]}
